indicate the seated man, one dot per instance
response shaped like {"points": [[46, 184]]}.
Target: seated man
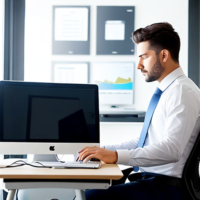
{"points": [[171, 124]]}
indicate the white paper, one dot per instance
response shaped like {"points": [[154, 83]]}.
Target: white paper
{"points": [[71, 73], [71, 24], [114, 30]]}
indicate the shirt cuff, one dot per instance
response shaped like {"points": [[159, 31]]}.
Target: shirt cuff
{"points": [[123, 156]]}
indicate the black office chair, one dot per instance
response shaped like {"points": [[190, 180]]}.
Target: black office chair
{"points": [[125, 172], [190, 176]]}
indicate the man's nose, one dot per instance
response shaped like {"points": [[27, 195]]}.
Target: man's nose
{"points": [[140, 64]]}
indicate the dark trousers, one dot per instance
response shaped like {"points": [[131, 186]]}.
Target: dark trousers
{"points": [[147, 187]]}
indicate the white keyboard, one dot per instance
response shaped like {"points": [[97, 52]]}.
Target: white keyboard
{"points": [[71, 164]]}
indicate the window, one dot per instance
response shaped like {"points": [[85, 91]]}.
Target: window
{"points": [[1, 38]]}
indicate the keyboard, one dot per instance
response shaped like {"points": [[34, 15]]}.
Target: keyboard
{"points": [[71, 164]]}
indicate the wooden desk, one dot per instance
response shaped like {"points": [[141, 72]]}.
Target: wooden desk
{"points": [[26, 177]]}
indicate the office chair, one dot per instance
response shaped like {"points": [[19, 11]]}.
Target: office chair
{"points": [[125, 172], [190, 176]]}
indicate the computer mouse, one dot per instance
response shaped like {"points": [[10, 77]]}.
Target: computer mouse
{"points": [[94, 159]]}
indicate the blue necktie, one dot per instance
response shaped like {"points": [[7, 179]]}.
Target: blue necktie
{"points": [[152, 106]]}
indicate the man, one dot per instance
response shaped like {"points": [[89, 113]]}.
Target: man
{"points": [[171, 126]]}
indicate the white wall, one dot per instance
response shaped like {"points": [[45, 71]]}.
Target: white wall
{"points": [[116, 133], [38, 45], [38, 48], [1, 39]]}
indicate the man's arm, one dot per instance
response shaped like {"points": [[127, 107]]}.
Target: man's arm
{"points": [[109, 153], [180, 121], [125, 145], [105, 155]]}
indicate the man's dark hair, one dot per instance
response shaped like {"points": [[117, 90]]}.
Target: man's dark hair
{"points": [[160, 36]]}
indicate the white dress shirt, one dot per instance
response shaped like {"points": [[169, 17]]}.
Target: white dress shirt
{"points": [[173, 130]]}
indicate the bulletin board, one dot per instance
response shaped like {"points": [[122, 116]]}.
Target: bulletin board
{"points": [[115, 25], [71, 30]]}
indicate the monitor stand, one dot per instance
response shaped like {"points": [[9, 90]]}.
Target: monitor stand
{"points": [[49, 160], [44, 158]]}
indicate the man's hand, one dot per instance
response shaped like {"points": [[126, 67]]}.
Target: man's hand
{"points": [[102, 154]]}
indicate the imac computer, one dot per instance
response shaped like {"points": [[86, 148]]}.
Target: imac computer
{"points": [[48, 118]]}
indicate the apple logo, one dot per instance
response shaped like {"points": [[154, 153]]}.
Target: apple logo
{"points": [[52, 148]]}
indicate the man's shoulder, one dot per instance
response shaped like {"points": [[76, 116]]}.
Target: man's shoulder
{"points": [[187, 83], [182, 86]]}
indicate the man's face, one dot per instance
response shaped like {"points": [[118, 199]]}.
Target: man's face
{"points": [[149, 62]]}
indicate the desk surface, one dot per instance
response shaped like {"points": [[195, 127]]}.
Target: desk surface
{"points": [[107, 171]]}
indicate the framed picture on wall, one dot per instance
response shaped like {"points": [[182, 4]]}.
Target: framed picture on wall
{"points": [[71, 30], [116, 82], [115, 25], [70, 72]]}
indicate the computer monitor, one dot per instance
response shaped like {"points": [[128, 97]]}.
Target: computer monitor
{"points": [[48, 118], [116, 82]]}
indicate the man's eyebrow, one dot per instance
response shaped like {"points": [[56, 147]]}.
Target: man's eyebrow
{"points": [[142, 54]]}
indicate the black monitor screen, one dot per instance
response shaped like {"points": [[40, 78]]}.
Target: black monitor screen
{"points": [[48, 112]]}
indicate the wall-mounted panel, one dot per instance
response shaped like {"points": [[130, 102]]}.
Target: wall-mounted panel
{"points": [[116, 82], [115, 25], [70, 72], [71, 30]]}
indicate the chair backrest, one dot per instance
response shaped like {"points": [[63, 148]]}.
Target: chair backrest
{"points": [[191, 170]]}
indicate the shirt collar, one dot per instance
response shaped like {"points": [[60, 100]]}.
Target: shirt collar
{"points": [[170, 78]]}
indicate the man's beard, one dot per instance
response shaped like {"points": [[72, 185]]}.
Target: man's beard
{"points": [[156, 71]]}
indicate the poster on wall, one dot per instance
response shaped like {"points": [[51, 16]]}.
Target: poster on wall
{"points": [[68, 72], [71, 25], [115, 25], [115, 82]]}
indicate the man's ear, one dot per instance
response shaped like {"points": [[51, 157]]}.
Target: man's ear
{"points": [[165, 55]]}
